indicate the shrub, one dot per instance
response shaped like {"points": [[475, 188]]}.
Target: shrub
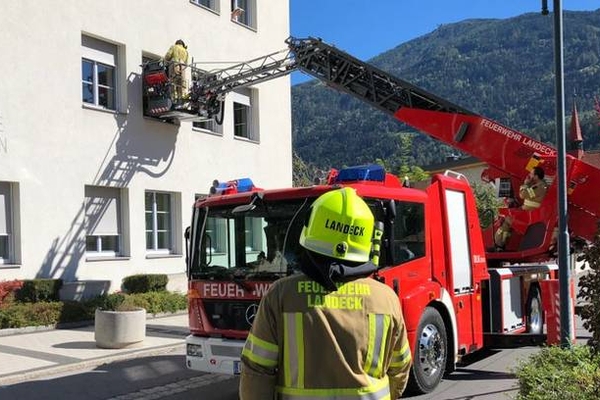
{"points": [[589, 292], [557, 373], [160, 302], [8, 289], [116, 302], [75, 311], [152, 302], [35, 290], [144, 283], [18, 315]]}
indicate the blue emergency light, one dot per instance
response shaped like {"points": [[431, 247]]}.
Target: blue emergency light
{"points": [[234, 186], [372, 172]]}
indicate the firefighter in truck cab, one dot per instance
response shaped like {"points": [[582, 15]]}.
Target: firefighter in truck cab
{"points": [[532, 192], [331, 331]]}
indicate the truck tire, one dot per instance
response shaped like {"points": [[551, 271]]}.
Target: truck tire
{"points": [[535, 313], [430, 355]]}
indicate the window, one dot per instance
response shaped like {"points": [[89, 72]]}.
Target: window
{"points": [[254, 234], [409, 232], [161, 218], [208, 126], [210, 4], [505, 188], [244, 118], [98, 73], [6, 225], [103, 219], [243, 12]]}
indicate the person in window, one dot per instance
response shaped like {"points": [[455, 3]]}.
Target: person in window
{"points": [[532, 192], [331, 331], [236, 14], [177, 57]]}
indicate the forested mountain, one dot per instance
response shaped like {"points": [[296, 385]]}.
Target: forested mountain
{"points": [[499, 68]]}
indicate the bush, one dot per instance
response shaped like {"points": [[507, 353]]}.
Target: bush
{"points": [[160, 302], [18, 315], [152, 302], [589, 292], [144, 283], [36, 290], [8, 289], [560, 373]]}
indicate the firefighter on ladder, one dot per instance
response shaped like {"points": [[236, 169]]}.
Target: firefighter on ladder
{"points": [[332, 332], [532, 192], [177, 57]]}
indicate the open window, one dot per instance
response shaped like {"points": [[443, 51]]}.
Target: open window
{"points": [[244, 12]]}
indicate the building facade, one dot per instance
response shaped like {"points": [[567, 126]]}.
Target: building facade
{"points": [[91, 191]]}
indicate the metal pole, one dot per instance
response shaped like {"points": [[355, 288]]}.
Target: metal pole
{"points": [[564, 265]]}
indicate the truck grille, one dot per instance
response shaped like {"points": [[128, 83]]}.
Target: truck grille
{"points": [[236, 315]]}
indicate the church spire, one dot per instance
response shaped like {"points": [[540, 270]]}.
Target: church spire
{"points": [[575, 138]]}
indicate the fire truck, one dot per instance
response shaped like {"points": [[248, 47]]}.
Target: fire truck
{"points": [[457, 292]]}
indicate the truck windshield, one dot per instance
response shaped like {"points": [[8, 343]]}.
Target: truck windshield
{"points": [[257, 242]]}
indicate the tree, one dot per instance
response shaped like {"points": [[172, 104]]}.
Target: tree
{"points": [[487, 203]]}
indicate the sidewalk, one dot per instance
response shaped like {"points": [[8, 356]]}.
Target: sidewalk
{"points": [[30, 355]]}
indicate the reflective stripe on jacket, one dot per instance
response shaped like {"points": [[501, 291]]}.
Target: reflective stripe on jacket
{"points": [[307, 343], [532, 195]]}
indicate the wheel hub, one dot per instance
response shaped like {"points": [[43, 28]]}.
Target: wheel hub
{"points": [[431, 350]]}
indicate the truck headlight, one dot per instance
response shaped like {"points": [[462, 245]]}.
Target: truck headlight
{"points": [[194, 350]]}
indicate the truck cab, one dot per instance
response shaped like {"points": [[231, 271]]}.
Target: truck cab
{"points": [[432, 255]]}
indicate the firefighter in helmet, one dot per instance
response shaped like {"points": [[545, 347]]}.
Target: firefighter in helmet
{"points": [[331, 331], [177, 57], [532, 192]]}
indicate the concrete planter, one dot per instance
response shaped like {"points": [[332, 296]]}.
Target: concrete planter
{"points": [[119, 329]]}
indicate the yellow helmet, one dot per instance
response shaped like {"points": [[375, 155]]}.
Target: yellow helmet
{"points": [[340, 226]]}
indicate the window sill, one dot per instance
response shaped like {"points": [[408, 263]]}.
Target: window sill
{"points": [[165, 255], [107, 258], [10, 266], [206, 131], [243, 139], [102, 109]]}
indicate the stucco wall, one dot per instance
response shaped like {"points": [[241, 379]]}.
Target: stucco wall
{"points": [[51, 146]]}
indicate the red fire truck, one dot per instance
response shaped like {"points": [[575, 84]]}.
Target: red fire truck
{"points": [[458, 295]]}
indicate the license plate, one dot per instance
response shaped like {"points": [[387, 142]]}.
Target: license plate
{"points": [[237, 367]]}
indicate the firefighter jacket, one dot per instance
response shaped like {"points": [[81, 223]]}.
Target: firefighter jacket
{"points": [[179, 56], [310, 343], [532, 194]]}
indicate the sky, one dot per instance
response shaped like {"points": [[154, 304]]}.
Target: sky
{"points": [[367, 28]]}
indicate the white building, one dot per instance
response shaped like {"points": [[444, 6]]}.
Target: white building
{"points": [[90, 189]]}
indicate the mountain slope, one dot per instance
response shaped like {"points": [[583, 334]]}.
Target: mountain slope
{"points": [[501, 69]]}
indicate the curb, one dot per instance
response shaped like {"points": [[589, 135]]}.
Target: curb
{"points": [[23, 376]]}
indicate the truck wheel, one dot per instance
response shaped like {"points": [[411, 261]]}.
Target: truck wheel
{"points": [[431, 352], [535, 313]]}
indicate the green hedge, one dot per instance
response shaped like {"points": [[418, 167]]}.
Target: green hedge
{"points": [[557, 373], [22, 314], [144, 283], [35, 290]]}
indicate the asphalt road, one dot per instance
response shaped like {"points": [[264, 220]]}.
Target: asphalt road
{"points": [[488, 374]]}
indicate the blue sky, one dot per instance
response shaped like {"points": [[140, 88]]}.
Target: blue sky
{"points": [[366, 28]]}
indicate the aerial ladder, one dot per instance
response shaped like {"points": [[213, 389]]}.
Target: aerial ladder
{"points": [[508, 153]]}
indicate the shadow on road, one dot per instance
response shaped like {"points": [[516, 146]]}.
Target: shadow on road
{"points": [[106, 381]]}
